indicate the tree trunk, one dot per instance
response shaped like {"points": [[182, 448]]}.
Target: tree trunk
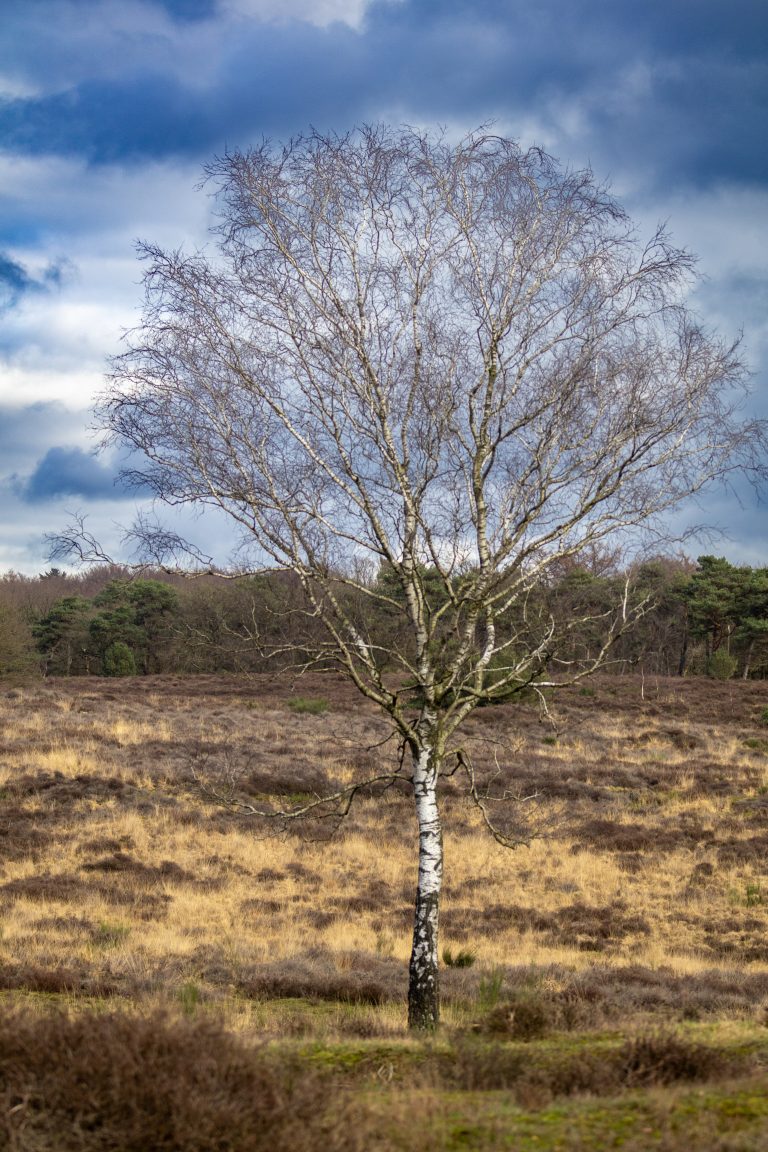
{"points": [[748, 660], [683, 662], [423, 990]]}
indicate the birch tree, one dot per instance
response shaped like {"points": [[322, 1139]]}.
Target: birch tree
{"points": [[453, 362]]}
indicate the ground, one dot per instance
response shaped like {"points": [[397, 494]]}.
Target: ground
{"points": [[607, 984]]}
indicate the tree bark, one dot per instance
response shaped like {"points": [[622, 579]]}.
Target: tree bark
{"points": [[748, 660], [423, 984], [683, 662]]}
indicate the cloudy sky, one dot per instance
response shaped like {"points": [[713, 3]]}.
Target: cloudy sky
{"points": [[109, 109]]}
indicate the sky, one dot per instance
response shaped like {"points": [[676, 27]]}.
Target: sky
{"points": [[110, 108]]}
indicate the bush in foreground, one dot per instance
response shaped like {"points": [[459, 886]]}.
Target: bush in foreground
{"points": [[128, 1084]]}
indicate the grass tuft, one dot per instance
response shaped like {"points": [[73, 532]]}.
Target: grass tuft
{"points": [[308, 705]]}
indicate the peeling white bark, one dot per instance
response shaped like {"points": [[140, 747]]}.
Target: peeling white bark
{"points": [[423, 991], [430, 831]]}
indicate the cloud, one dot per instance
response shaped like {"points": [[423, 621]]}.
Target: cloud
{"points": [[642, 87], [35, 466], [47, 470], [16, 280], [735, 520], [189, 10], [108, 109], [70, 471], [318, 12], [24, 428], [54, 344]]}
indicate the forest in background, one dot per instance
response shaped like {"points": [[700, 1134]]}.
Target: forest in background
{"points": [[709, 617]]}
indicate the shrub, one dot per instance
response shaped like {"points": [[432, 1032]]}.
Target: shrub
{"points": [[130, 1084], [108, 935], [189, 998], [753, 895], [664, 1058], [367, 980], [119, 660], [308, 705], [489, 990], [462, 959], [525, 1016], [721, 665]]}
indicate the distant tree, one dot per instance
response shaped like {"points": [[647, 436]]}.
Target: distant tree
{"points": [[18, 657], [113, 624], [722, 664], [140, 615], [580, 603], [727, 609], [63, 637], [751, 632], [659, 643], [712, 595], [453, 360], [228, 625], [156, 608]]}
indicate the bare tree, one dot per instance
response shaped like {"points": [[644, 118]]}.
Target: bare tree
{"points": [[419, 374]]}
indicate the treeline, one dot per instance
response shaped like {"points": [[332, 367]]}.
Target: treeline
{"points": [[708, 618], [108, 622]]}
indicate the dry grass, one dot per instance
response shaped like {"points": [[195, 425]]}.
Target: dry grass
{"points": [[644, 903], [113, 863]]}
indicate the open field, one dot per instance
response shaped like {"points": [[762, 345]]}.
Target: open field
{"points": [[618, 991]]}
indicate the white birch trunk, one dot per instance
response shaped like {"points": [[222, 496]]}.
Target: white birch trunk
{"points": [[423, 990]]}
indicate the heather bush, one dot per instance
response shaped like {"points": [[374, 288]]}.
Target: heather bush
{"points": [[131, 1084]]}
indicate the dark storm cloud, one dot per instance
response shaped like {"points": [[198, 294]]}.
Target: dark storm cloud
{"points": [[699, 120], [35, 473], [274, 83], [24, 432], [71, 472], [677, 89], [181, 10], [36, 480], [150, 116], [736, 520]]}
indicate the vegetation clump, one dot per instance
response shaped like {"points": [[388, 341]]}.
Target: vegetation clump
{"points": [[308, 705], [132, 1084]]}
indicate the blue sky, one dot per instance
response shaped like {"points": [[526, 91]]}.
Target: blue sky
{"points": [[109, 109]]}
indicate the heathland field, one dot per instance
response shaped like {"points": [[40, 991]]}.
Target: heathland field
{"points": [[177, 975]]}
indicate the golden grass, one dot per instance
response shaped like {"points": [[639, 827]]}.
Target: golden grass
{"points": [[131, 877]]}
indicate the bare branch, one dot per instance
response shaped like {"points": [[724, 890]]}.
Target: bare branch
{"points": [[219, 783]]}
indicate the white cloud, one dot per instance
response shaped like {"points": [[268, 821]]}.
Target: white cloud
{"points": [[74, 199], [726, 227], [17, 88], [54, 344], [318, 12]]}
